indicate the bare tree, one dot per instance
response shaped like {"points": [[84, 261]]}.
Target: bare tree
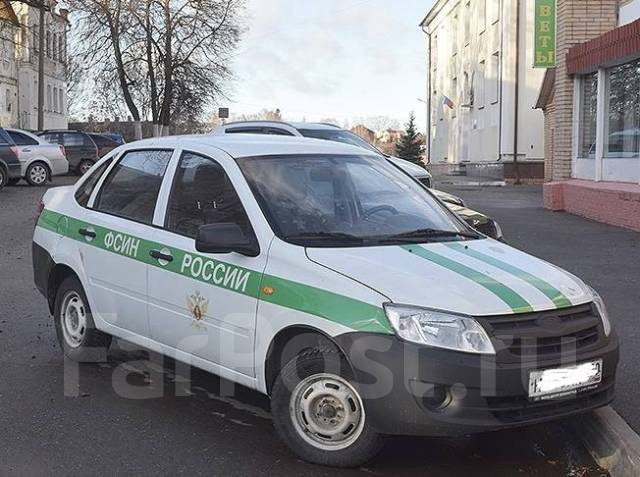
{"points": [[167, 56]]}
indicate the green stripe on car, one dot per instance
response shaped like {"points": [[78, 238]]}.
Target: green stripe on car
{"points": [[506, 294], [555, 295], [349, 312]]}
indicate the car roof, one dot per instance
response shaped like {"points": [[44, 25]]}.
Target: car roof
{"points": [[246, 145], [275, 124], [323, 126]]}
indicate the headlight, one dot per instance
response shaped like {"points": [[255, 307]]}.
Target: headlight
{"points": [[602, 310], [439, 329]]}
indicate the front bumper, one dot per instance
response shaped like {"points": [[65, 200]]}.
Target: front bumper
{"points": [[410, 389]]}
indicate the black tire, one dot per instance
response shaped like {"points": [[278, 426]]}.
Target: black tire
{"points": [[84, 166], [318, 363], [13, 181], [3, 177], [37, 174], [91, 346]]}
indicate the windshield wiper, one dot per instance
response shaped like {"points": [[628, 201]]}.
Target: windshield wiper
{"points": [[432, 233], [325, 236]]}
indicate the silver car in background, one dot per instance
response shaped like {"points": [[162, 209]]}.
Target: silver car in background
{"points": [[39, 160]]}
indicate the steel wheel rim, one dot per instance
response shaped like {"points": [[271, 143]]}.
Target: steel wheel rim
{"points": [[73, 319], [38, 174], [85, 166], [327, 412]]}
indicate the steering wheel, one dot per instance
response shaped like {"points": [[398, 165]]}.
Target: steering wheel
{"points": [[380, 208]]}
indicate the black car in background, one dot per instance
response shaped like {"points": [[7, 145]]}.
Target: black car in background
{"points": [[9, 163], [82, 149]]}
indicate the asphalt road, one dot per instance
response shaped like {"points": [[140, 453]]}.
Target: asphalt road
{"points": [[57, 419], [605, 257]]}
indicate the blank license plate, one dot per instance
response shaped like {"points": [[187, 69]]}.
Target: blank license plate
{"points": [[562, 382]]}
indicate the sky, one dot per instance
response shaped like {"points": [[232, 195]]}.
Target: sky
{"points": [[332, 59]]}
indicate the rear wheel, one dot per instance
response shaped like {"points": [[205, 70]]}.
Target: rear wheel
{"points": [[84, 166], [319, 413], [77, 333], [3, 177], [37, 174]]}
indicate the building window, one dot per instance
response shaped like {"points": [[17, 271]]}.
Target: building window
{"points": [[8, 100], [622, 128], [49, 98], [467, 23], [494, 72], [454, 34], [61, 55], [55, 100], [454, 97], [61, 101], [494, 11], [55, 47], [480, 91], [587, 119], [482, 16], [48, 44]]}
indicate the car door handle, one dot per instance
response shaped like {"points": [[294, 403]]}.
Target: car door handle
{"points": [[26, 150], [87, 233], [157, 254]]}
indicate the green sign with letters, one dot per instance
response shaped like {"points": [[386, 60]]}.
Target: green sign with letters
{"points": [[545, 34]]}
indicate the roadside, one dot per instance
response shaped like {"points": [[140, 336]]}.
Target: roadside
{"points": [[202, 432], [606, 257]]}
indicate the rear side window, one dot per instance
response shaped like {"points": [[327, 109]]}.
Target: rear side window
{"points": [[202, 194], [131, 189], [22, 139], [86, 189], [53, 138], [245, 130], [102, 141], [76, 139], [5, 138]]}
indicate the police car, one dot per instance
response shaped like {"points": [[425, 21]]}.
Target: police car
{"points": [[321, 275]]}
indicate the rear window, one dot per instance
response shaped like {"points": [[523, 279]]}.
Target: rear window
{"points": [[131, 189], [102, 141], [83, 194]]}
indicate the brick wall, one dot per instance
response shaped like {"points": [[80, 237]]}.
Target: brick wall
{"points": [[549, 139], [578, 21]]}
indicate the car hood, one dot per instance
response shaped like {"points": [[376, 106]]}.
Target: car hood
{"points": [[478, 278], [410, 168], [448, 198]]}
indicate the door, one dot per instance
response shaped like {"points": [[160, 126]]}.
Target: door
{"points": [[27, 146], [204, 304], [78, 147], [118, 229]]}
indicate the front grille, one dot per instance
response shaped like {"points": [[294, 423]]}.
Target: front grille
{"points": [[515, 409], [547, 334]]}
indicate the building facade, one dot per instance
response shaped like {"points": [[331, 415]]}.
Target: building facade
{"points": [[19, 66], [481, 83], [591, 102]]}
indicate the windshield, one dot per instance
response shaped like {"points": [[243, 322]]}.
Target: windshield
{"points": [[330, 201], [339, 135]]}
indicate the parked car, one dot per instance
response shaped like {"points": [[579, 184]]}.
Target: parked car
{"points": [[9, 163], [479, 221], [325, 278], [105, 144], [82, 153], [39, 160]]}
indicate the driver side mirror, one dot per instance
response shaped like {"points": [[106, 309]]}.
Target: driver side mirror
{"points": [[226, 238]]}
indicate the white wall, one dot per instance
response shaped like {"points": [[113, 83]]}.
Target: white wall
{"points": [[629, 12], [486, 130]]}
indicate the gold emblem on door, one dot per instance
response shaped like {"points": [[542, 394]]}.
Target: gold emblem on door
{"points": [[198, 306]]}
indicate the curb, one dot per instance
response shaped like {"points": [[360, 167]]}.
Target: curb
{"points": [[611, 442]]}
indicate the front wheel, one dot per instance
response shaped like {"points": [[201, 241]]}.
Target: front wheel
{"points": [[319, 413], [3, 178], [77, 333]]}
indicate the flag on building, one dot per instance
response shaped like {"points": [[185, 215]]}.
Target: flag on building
{"points": [[448, 102]]}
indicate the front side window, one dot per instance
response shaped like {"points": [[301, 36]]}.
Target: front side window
{"points": [[83, 194], [588, 116], [623, 128], [202, 194], [131, 189], [335, 201]]}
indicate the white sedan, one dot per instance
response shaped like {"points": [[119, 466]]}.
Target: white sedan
{"points": [[39, 160]]}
